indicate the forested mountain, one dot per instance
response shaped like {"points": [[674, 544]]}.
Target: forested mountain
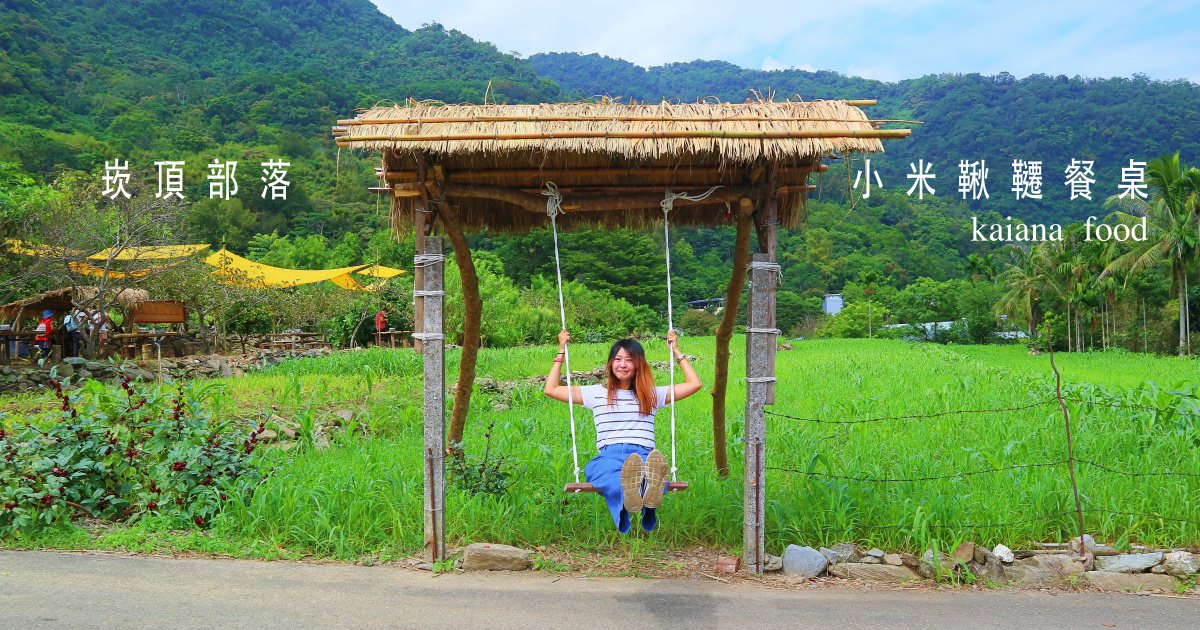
{"points": [[966, 117], [86, 81]]}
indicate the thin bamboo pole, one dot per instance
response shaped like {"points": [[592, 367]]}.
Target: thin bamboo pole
{"points": [[641, 174], [638, 135], [345, 123]]}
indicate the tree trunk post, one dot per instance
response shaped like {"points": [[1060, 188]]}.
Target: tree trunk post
{"points": [[760, 391], [433, 352], [472, 312], [733, 295]]}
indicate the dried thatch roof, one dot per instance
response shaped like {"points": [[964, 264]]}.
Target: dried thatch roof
{"points": [[60, 300], [613, 161]]}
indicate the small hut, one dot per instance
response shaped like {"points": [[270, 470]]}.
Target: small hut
{"points": [[470, 167], [62, 301]]}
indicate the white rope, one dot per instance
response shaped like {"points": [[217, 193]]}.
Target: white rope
{"points": [[425, 260], [553, 209], [760, 379], [765, 331], [427, 336], [763, 264], [423, 293], [668, 203]]}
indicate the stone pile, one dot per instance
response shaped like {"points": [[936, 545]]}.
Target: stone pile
{"points": [[1080, 563], [23, 376], [18, 377], [283, 432]]}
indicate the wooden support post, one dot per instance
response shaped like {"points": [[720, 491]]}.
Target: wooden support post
{"points": [[434, 354], [760, 391]]}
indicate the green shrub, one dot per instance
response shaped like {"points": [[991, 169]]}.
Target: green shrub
{"points": [[122, 453], [697, 323]]}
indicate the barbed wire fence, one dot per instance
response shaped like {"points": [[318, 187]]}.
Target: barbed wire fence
{"points": [[1069, 462]]}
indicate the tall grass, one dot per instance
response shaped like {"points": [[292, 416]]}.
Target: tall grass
{"points": [[362, 496], [365, 496]]}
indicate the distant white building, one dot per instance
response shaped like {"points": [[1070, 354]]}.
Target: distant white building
{"points": [[832, 304]]}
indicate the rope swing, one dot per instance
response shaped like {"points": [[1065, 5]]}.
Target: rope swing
{"points": [[553, 209], [668, 204]]}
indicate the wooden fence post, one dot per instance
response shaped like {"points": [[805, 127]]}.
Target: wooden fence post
{"points": [[433, 352]]}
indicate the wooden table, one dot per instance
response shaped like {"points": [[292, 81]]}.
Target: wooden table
{"points": [[294, 341], [9, 341], [387, 338], [134, 340]]}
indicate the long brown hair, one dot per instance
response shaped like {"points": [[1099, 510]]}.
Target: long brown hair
{"points": [[643, 380]]}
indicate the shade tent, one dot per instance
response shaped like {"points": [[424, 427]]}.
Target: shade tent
{"points": [[227, 264], [153, 252]]}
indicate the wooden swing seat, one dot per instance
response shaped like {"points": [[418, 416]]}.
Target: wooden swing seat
{"points": [[573, 488]]}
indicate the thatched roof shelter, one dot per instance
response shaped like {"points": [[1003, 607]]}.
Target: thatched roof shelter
{"points": [[60, 301], [612, 161], [472, 167]]}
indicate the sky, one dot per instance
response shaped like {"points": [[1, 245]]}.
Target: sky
{"points": [[874, 39]]}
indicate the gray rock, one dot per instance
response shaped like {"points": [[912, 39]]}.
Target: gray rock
{"points": [[873, 572], [1044, 570], [993, 571], [1088, 546], [1159, 569], [84, 374], [95, 366], [423, 566], [893, 559], [910, 561], [66, 370], [75, 361], [1003, 553], [1181, 563], [841, 552], [1134, 582], [875, 551], [772, 563], [1129, 562], [870, 560], [489, 557], [928, 568], [804, 561]]}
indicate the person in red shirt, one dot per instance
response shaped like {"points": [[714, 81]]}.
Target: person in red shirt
{"points": [[380, 325], [45, 329]]}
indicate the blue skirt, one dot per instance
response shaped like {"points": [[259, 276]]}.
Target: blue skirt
{"points": [[604, 473]]}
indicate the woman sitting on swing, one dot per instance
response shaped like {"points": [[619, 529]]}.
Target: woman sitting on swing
{"points": [[629, 472]]}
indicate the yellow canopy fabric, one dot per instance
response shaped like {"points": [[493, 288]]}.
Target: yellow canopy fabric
{"points": [[379, 271], [226, 263], [92, 270], [18, 246], [152, 252], [231, 264]]}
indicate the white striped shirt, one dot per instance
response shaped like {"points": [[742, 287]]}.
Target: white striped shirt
{"points": [[623, 422]]}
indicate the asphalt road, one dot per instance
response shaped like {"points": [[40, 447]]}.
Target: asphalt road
{"points": [[83, 590]]}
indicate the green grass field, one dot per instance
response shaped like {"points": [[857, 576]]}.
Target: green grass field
{"points": [[990, 477]]}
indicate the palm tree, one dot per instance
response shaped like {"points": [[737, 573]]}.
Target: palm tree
{"points": [[1025, 280], [981, 267], [1172, 228]]}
